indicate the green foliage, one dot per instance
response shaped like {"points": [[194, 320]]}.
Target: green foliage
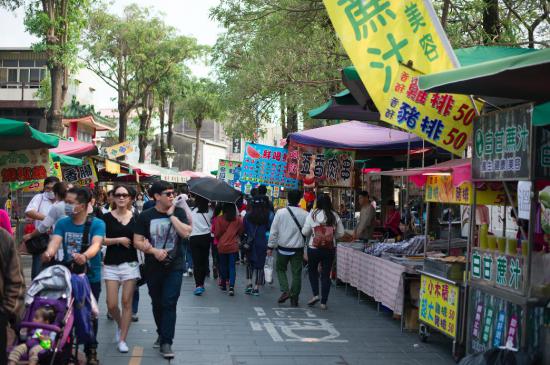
{"points": [[201, 102], [275, 49], [288, 49], [58, 24], [136, 54]]}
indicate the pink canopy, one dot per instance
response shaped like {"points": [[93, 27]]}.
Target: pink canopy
{"points": [[191, 174], [460, 171], [357, 135], [75, 148]]}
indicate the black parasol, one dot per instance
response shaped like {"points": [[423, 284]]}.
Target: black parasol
{"points": [[213, 189]]}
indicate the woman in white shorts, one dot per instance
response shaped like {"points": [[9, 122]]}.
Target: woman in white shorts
{"points": [[121, 263]]}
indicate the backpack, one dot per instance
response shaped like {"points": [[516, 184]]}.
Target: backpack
{"points": [[83, 324]]}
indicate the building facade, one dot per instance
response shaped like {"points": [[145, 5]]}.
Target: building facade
{"points": [[21, 72]]}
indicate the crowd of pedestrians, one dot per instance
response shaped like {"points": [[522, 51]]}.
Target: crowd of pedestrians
{"points": [[127, 238]]}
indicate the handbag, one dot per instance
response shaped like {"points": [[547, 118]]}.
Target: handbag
{"points": [[38, 245]]}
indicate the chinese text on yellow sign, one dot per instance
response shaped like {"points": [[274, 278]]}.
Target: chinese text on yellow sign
{"points": [[438, 304], [391, 43], [440, 189]]}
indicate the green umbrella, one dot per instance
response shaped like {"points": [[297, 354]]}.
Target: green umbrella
{"points": [[66, 160], [15, 135]]}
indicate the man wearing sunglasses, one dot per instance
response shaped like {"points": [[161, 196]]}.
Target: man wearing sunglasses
{"points": [[160, 233]]}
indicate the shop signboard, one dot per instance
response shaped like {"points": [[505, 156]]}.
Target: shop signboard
{"points": [[81, 175], [440, 189], [24, 165], [391, 44], [319, 166], [502, 145], [439, 304], [542, 169], [498, 269], [236, 145], [266, 165], [495, 322], [36, 186], [230, 172], [118, 150]]}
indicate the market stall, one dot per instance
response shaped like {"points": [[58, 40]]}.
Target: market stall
{"points": [[509, 279]]}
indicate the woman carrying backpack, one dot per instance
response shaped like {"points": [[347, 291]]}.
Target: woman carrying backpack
{"points": [[257, 223], [227, 230], [324, 226]]}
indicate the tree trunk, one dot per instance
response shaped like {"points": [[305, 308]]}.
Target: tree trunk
{"points": [[198, 126], [171, 112], [284, 127], [445, 13], [142, 137], [292, 120], [491, 21], [163, 160], [55, 114], [122, 122]]}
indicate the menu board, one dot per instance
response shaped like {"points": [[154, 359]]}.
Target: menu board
{"points": [[502, 142], [264, 164], [439, 304]]}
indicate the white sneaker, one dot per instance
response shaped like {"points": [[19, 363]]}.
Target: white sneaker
{"points": [[122, 347], [117, 335]]}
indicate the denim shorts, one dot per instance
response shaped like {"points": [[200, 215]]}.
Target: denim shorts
{"points": [[122, 272]]}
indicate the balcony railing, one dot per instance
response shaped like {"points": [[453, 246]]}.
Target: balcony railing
{"points": [[14, 91]]}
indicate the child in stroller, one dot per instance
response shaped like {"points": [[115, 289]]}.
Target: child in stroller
{"points": [[39, 340]]}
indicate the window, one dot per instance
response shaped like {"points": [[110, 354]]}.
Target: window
{"points": [[26, 63], [10, 63], [12, 75], [35, 75], [24, 75], [84, 136]]}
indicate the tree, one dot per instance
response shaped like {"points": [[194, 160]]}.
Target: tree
{"points": [[201, 103], [277, 60], [58, 25], [280, 58], [132, 54]]}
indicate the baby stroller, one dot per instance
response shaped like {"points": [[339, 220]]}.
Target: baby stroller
{"points": [[51, 288]]}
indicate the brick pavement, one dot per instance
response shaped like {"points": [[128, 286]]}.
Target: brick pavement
{"points": [[245, 330]]}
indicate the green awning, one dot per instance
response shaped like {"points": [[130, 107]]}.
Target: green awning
{"points": [[66, 160], [15, 135], [524, 77], [343, 106]]}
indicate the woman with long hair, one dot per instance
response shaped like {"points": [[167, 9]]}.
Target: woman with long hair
{"points": [[200, 241], [257, 223], [121, 262], [324, 226], [228, 229]]}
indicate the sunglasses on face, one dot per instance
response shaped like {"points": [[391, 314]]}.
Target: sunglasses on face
{"points": [[122, 195], [168, 193]]}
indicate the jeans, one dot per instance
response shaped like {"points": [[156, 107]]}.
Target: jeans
{"points": [[36, 265], [200, 249], [281, 265], [187, 255], [215, 256], [164, 290], [227, 267], [135, 301], [325, 257]]}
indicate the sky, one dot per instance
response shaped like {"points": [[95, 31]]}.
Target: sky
{"points": [[191, 18]]}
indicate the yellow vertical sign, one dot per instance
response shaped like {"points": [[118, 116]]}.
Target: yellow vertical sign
{"points": [[439, 304], [391, 43]]}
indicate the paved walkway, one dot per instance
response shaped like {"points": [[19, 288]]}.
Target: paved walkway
{"points": [[245, 330]]}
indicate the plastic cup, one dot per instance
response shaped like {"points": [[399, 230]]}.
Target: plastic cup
{"points": [[483, 233], [511, 246], [492, 240], [501, 242]]}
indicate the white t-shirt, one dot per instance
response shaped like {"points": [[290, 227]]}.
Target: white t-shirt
{"points": [[202, 222], [40, 204]]}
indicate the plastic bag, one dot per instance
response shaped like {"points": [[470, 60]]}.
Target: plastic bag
{"points": [[268, 269]]}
